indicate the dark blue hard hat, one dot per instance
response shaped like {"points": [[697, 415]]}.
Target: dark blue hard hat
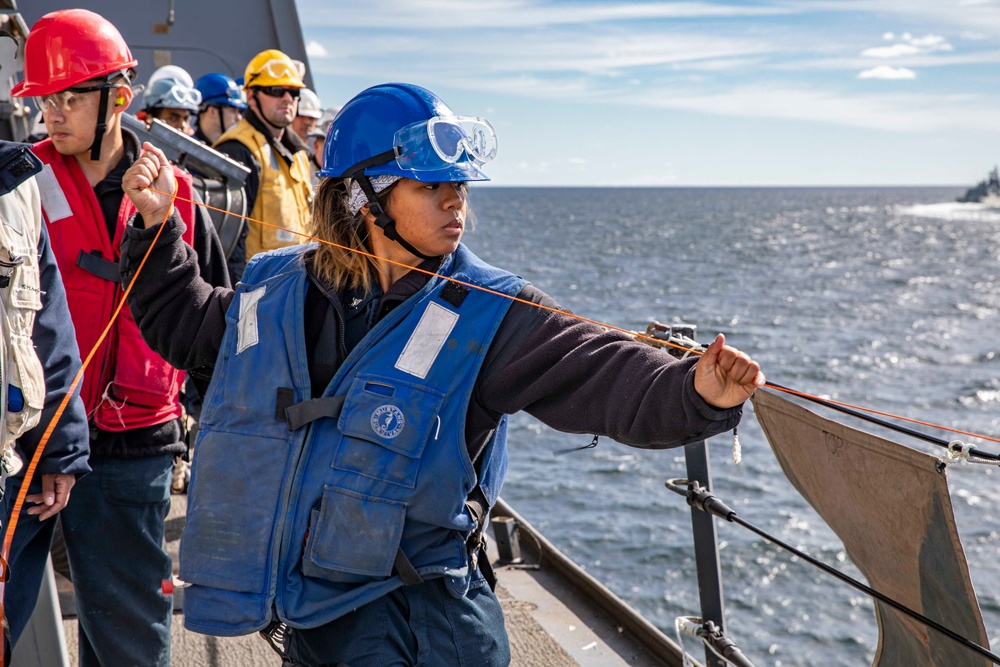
{"points": [[219, 89], [400, 129]]}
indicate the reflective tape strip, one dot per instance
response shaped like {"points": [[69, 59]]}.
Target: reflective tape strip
{"points": [[247, 333], [54, 201], [426, 341]]}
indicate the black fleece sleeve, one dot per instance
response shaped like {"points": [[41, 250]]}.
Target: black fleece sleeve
{"points": [[179, 314], [579, 378]]}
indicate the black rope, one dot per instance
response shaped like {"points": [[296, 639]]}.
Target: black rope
{"points": [[890, 425], [700, 498]]}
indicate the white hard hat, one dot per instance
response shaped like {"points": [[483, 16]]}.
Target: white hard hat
{"points": [[178, 74], [323, 124], [309, 104]]}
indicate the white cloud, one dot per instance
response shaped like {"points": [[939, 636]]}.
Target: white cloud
{"points": [[909, 46], [888, 36], [886, 72], [894, 51], [316, 50]]}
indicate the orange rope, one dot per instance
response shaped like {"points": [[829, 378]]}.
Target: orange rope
{"points": [[651, 339], [37, 456]]}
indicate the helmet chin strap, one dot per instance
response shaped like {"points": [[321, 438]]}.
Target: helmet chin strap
{"points": [[260, 112], [382, 219], [102, 122]]}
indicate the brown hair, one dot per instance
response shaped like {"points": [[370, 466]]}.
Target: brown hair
{"points": [[333, 221]]}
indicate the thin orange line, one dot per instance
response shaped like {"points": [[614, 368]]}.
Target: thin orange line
{"points": [[585, 319]]}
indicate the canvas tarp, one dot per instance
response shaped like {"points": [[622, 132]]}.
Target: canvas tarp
{"points": [[890, 506]]}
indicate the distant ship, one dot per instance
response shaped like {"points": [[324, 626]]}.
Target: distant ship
{"points": [[987, 191]]}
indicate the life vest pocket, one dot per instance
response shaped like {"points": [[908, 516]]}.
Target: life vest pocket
{"points": [[353, 537], [386, 423], [233, 501]]}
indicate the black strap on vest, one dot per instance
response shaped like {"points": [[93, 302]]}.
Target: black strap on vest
{"points": [[404, 568], [479, 509], [305, 412], [94, 264]]}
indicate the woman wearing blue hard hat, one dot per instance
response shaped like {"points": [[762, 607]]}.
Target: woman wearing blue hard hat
{"points": [[353, 437]]}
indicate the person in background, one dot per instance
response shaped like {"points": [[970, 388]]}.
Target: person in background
{"points": [[315, 141], [79, 69], [307, 114], [170, 96], [278, 190], [362, 401], [37, 330], [221, 107], [38, 131]]}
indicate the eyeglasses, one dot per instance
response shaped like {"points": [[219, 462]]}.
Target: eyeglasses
{"points": [[441, 140], [67, 100], [279, 91]]}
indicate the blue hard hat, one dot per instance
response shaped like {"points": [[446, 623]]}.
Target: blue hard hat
{"points": [[400, 129], [219, 89]]}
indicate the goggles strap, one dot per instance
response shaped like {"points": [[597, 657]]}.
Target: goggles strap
{"points": [[102, 122], [357, 171]]}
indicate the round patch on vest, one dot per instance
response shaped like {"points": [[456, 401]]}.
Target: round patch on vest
{"points": [[388, 421]]}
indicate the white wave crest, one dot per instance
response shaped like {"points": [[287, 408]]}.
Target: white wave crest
{"points": [[973, 212]]}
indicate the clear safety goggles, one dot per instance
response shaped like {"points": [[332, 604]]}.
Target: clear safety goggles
{"points": [[281, 69], [433, 143], [178, 97], [68, 100]]}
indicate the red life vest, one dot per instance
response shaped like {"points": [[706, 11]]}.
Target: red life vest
{"points": [[126, 385]]}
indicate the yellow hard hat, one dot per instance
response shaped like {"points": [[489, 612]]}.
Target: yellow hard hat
{"points": [[274, 68]]}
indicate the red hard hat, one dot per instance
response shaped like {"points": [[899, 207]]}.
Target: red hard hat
{"points": [[68, 47]]}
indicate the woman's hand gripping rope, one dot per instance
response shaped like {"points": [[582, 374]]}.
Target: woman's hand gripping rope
{"points": [[725, 377]]}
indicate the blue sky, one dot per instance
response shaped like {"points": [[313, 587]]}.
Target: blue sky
{"points": [[825, 92]]}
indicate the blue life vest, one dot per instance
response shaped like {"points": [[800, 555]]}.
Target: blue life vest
{"points": [[305, 509]]}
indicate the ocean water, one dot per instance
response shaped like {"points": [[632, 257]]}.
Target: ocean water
{"points": [[881, 297]]}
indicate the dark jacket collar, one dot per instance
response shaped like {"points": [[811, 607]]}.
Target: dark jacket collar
{"points": [[290, 143], [17, 164]]}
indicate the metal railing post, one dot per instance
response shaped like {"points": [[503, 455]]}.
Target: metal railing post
{"points": [[43, 642], [706, 548]]}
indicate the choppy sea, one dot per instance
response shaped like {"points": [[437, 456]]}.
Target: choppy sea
{"points": [[882, 297]]}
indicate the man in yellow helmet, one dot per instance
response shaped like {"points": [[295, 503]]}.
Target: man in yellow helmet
{"points": [[278, 188]]}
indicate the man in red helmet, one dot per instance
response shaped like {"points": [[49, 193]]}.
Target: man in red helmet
{"points": [[78, 69]]}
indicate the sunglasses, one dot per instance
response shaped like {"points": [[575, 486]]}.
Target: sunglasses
{"points": [[278, 91]]}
